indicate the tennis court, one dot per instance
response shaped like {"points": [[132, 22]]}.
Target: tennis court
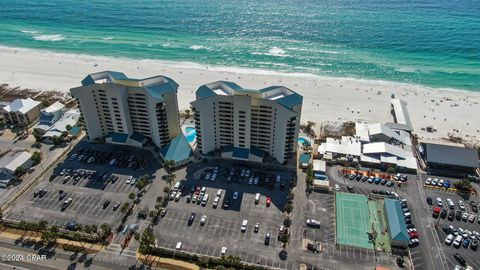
{"points": [[353, 222]]}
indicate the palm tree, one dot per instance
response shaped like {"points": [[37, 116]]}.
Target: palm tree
{"points": [[170, 178], [106, 230], [187, 113], [169, 165]]}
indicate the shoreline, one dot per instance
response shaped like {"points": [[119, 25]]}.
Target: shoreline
{"points": [[228, 69], [326, 99]]}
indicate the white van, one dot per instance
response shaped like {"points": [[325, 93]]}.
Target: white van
{"points": [[257, 198], [223, 252], [458, 241], [244, 225], [176, 186], [205, 199], [178, 246], [450, 203], [215, 202]]}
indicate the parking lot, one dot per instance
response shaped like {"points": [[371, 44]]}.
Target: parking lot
{"points": [[89, 184], [444, 221], [223, 225]]}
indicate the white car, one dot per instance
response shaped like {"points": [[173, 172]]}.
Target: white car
{"points": [[457, 241], [242, 173], [250, 181], [129, 179], [203, 220], [219, 193], [223, 251], [440, 183], [337, 187], [207, 177], [471, 218], [235, 195], [439, 202], [428, 181], [247, 173], [449, 239], [313, 223], [461, 205], [203, 190], [112, 162], [72, 157], [435, 182], [255, 181], [465, 216]]}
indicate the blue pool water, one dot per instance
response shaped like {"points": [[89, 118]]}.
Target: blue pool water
{"points": [[190, 134], [302, 140]]}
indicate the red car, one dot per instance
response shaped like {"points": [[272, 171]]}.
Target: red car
{"points": [[413, 235], [197, 191], [268, 201]]}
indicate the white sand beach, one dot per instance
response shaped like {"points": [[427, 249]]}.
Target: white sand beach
{"points": [[325, 98]]}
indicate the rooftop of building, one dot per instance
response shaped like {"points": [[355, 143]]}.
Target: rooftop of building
{"points": [[69, 118], [396, 220], [13, 160], [21, 105], [155, 86], [451, 155], [282, 95], [401, 113], [177, 150], [54, 107]]}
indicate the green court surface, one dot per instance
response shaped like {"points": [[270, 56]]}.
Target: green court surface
{"points": [[353, 222], [379, 226]]}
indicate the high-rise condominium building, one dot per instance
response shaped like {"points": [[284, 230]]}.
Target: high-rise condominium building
{"points": [[244, 124], [129, 111]]}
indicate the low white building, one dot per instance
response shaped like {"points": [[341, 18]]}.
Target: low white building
{"points": [[401, 116], [13, 160], [374, 145], [22, 112], [69, 118], [50, 115]]}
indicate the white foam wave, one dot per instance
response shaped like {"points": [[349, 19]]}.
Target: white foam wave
{"points": [[274, 51], [328, 52], [30, 32], [277, 51], [198, 47], [49, 37], [107, 38]]}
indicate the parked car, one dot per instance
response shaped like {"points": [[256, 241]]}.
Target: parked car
{"points": [[191, 219], [203, 220], [313, 223], [460, 259], [106, 203], [429, 200], [267, 239], [449, 239]]}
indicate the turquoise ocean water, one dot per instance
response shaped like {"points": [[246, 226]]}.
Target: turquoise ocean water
{"points": [[433, 43]]}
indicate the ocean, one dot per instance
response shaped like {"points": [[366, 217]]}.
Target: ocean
{"points": [[434, 43]]}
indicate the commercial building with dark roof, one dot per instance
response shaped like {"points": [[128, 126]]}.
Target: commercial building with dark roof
{"points": [[449, 160], [397, 228], [246, 123]]}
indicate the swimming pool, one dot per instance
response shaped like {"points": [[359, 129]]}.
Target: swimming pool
{"points": [[190, 134], [302, 140]]}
